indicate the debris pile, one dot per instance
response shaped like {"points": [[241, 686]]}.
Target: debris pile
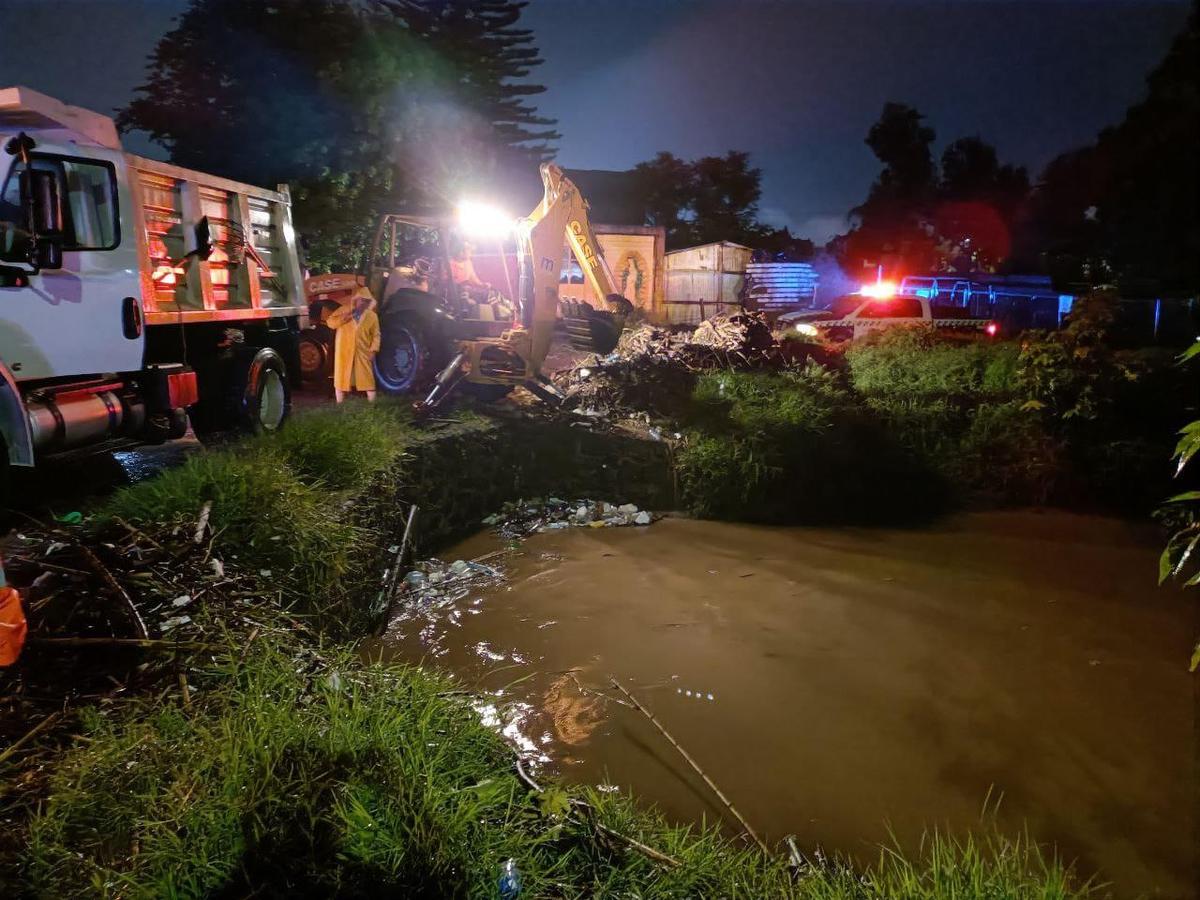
{"points": [[743, 338], [727, 340], [123, 588], [434, 583], [525, 517], [653, 370]]}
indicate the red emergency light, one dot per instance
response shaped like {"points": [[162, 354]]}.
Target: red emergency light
{"points": [[879, 290]]}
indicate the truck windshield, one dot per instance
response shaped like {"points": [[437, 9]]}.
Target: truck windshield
{"points": [[88, 189], [12, 228]]}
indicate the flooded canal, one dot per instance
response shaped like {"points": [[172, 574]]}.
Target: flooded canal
{"points": [[840, 683]]}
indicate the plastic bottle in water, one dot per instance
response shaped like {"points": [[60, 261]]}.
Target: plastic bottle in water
{"points": [[510, 880]]}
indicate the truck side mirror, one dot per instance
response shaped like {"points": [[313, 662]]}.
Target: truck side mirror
{"points": [[204, 244], [43, 205]]}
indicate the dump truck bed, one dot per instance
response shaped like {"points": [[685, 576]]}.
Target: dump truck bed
{"points": [[254, 271]]}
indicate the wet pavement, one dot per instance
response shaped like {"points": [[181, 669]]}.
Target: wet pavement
{"points": [[840, 683], [61, 485]]}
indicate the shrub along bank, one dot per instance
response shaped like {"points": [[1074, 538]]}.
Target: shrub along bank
{"points": [[287, 767], [913, 423]]}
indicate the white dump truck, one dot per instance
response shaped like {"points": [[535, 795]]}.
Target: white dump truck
{"points": [[134, 294]]}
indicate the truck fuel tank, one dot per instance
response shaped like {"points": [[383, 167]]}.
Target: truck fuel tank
{"points": [[67, 420]]}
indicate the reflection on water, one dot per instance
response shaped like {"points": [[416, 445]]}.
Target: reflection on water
{"points": [[836, 683]]}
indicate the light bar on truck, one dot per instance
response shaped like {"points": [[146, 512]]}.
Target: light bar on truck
{"points": [[879, 290]]}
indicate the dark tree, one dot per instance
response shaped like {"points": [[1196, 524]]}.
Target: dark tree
{"points": [[902, 142], [666, 188], [714, 198], [360, 105], [1128, 207], [919, 218], [971, 171], [1061, 235], [725, 202], [978, 202], [892, 227], [780, 244]]}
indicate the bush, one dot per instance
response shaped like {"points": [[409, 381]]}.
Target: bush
{"points": [[796, 447], [918, 417], [1006, 456], [917, 363], [1061, 417]]}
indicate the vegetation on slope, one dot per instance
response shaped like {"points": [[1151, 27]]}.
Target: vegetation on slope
{"points": [[915, 422], [306, 773]]}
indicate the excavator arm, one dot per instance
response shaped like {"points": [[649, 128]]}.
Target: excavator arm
{"points": [[563, 215]]}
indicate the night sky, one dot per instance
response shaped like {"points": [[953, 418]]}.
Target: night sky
{"points": [[794, 82]]}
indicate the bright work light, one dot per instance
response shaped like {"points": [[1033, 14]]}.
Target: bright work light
{"points": [[479, 220]]}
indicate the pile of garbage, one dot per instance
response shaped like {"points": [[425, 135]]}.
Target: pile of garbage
{"points": [[87, 591], [727, 340], [434, 583], [654, 369], [525, 517]]}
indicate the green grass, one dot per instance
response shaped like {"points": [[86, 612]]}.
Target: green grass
{"points": [[262, 515], [917, 364], [277, 501], [798, 446], [296, 774], [344, 447]]}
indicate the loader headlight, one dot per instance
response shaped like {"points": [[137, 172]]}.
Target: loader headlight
{"points": [[480, 220], [807, 330]]}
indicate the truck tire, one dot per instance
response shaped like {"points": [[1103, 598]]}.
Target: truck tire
{"points": [[260, 393], [248, 392], [407, 357]]}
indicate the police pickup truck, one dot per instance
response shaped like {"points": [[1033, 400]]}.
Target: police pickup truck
{"points": [[856, 317]]}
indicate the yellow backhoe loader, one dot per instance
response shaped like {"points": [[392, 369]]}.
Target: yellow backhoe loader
{"points": [[440, 332]]}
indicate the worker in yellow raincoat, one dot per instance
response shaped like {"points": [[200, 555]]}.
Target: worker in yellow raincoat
{"points": [[357, 341]]}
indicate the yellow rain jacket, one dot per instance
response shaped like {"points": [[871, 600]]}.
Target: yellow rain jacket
{"points": [[354, 347]]}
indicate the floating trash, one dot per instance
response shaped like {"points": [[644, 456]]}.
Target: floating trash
{"points": [[521, 518]]}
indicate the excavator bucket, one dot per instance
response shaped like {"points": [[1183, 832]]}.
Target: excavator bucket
{"points": [[596, 331]]}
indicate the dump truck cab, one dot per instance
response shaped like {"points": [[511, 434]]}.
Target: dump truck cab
{"points": [[58, 320]]}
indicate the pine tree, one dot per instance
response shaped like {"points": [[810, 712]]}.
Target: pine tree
{"points": [[363, 106]]}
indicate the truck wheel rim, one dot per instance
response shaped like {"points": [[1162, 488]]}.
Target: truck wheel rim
{"points": [[397, 364], [273, 401]]}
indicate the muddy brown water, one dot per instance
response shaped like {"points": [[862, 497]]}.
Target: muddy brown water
{"points": [[845, 685]]}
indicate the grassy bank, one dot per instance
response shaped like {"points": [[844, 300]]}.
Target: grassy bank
{"points": [[275, 762], [914, 424], [338, 778]]}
